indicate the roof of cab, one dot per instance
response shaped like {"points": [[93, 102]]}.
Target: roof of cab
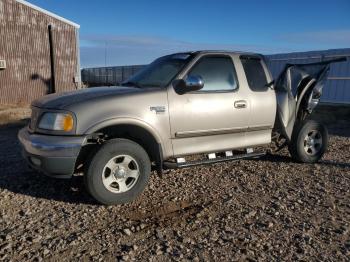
{"points": [[219, 52]]}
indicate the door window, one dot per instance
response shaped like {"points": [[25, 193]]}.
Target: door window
{"points": [[218, 73]]}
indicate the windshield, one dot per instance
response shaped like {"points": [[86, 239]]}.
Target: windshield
{"points": [[160, 72]]}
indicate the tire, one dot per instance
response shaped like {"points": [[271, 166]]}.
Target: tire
{"points": [[309, 141], [118, 172]]}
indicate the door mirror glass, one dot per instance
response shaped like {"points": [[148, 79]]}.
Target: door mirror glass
{"points": [[191, 83], [194, 82]]}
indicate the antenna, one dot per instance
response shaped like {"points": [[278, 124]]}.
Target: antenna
{"points": [[105, 53]]}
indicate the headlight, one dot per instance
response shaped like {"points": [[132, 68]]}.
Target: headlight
{"points": [[57, 122]]}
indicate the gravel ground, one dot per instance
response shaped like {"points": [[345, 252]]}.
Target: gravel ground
{"points": [[12, 113], [268, 209]]}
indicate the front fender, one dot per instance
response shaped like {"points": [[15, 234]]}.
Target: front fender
{"points": [[124, 121]]}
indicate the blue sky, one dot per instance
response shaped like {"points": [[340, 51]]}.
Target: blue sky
{"points": [[136, 32]]}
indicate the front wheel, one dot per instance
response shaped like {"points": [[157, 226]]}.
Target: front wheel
{"points": [[309, 141], [118, 172]]}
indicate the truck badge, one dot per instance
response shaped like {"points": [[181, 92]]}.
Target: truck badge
{"points": [[158, 109]]}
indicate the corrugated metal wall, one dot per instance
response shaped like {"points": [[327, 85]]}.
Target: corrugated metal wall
{"points": [[24, 44], [108, 76], [337, 89]]}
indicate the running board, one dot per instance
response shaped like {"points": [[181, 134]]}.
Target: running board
{"points": [[174, 165]]}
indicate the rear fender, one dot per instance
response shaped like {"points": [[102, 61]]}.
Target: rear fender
{"points": [[299, 89]]}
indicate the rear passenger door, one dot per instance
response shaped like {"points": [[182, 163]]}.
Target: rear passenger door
{"points": [[214, 118], [262, 99]]}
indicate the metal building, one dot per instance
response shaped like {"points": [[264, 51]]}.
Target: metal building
{"points": [[337, 89], [39, 53]]}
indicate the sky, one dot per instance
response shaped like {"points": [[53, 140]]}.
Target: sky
{"points": [[133, 32]]}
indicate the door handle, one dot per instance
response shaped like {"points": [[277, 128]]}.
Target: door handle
{"points": [[240, 104]]}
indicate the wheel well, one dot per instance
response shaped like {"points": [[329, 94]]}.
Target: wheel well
{"points": [[302, 113], [135, 133]]}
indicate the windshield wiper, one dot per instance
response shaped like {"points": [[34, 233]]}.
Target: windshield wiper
{"points": [[131, 83]]}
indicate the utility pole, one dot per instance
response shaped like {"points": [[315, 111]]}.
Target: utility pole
{"points": [[106, 70], [106, 54]]}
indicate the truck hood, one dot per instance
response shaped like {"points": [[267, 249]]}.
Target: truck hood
{"points": [[63, 100]]}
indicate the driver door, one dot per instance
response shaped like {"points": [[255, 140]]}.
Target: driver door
{"points": [[216, 117]]}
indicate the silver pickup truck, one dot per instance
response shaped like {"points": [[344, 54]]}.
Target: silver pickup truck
{"points": [[211, 105]]}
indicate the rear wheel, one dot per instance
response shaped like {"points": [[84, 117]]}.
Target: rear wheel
{"points": [[309, 141], [118, 172]]}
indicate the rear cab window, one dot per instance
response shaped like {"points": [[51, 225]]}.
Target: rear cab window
{"points": [[255, 73]]}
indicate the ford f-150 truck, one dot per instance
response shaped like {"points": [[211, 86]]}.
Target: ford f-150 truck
{"points": [[215, 105]]}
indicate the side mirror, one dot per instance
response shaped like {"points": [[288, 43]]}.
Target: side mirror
{"points": [[192, 83]]}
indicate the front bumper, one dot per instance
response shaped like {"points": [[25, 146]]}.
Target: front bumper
{"points": [[53, 155]]}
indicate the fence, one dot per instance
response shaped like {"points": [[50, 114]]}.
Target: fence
{"points": [[337, 88], [108, 76]]}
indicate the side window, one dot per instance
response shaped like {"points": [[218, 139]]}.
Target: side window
{"points": [[218, 73], [255, 73]]}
